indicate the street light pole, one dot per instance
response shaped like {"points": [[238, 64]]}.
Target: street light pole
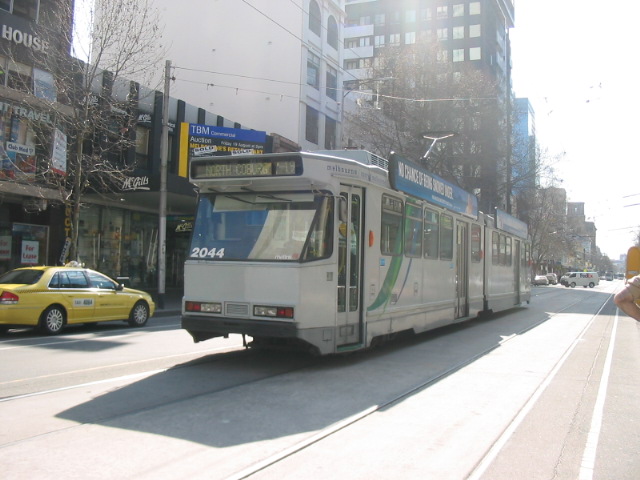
{"points": [[164, 151]]}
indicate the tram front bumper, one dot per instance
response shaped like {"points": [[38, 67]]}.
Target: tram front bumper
{"points": [[204, 327]]}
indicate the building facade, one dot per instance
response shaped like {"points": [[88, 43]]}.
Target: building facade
{"points": [[119, 220], [275, 65], [31, 216]]}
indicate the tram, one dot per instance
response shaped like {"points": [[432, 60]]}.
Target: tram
{"points": [[334, 251]]}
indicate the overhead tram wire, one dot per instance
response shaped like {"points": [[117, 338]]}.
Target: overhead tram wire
{"points": [[338, 90]]}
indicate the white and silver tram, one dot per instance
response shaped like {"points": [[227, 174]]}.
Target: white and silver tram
{"points": [[336, 250]]}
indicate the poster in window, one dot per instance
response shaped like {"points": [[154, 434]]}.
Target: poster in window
{"points": [[30, 251], [59, 152], [5, 247]]}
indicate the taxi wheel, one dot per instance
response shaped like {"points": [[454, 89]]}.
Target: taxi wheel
{"points": [[52, 320], [139, 315]]}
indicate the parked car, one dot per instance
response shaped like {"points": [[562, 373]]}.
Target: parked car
{"points": [[553, 278], [51, 297], [580, 279], [540, 280]]}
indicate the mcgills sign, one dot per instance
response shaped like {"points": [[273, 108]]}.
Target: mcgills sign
{"points": [[134, 184]]}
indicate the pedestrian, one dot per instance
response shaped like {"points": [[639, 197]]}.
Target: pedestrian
{"points": [[626, 298]]}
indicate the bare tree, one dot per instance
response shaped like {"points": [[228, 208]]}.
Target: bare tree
{"points": [[415, 91], [121, 39]]}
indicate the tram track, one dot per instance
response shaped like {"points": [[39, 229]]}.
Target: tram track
{"points": [[273, 369], [338, 426]]}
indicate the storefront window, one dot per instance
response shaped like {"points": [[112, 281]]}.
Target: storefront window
{"points": [[31, 242], [120, 243]]}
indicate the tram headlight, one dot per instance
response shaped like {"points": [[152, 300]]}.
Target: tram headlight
{"points": [[272, 311], [203, 307]]}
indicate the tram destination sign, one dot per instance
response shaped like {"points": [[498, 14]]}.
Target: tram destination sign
{"points": [[230, 167], [410, 178]]}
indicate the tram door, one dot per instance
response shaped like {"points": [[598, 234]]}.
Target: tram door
{"points": [[462, 270], [349, 265], [516, 270]]}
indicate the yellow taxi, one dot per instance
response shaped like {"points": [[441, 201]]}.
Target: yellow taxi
{"points": [[51, 297]]}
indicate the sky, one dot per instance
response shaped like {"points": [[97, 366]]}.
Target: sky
{"points": [[576, 62]]}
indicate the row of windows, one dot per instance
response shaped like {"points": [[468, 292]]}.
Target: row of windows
{"points": [[416, 232], [26, 78], [27, 9], [312, 129], [315, 24], [395, 39], [419, 232], [457, 55], [313, 76], [423, 15]]}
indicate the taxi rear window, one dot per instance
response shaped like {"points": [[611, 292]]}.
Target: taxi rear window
{"points": [[21, 277]]}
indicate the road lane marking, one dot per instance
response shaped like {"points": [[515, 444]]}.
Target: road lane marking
{"points": [[588, 463], [497, 447]]}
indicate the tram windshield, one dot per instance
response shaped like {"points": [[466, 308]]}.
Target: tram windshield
{"points": [[274, 226]]}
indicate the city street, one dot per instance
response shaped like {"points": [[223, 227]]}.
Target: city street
{"points": [[547, 390]]}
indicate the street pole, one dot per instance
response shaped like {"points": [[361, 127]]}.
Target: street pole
{"points": [[164, 150]]}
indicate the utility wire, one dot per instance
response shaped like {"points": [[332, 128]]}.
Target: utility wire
{"points": [[338, 90]]}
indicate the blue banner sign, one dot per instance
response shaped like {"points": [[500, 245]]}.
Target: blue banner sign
{"points": [[511, 224], [205, 140], [407, 177]]}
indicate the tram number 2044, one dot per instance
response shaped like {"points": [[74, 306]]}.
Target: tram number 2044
{"points": [[205, 252]]}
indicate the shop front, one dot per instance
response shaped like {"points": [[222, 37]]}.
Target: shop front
{"points": [[119, 232]]}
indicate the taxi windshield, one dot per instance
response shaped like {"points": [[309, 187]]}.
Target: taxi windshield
{"points": [[273, 226]]}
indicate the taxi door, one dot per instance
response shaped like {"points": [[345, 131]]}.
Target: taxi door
{"points": [[79, 300], [109, 305]]}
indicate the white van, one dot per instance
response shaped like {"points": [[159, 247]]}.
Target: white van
{"points": [[580, 279]]}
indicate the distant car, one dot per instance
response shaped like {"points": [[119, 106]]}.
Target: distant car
{"points": [[608, 276], [51, 297], [580, 279], [540, 280], [553, 278]]}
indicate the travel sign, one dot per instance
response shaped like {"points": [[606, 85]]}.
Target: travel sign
{"points": [[412, 179]]}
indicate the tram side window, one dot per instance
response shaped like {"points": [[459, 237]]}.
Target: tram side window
{"points": [[320, 244], [476, 243], [413, 231], [391, 234], [446, 237], [431, 234], [525, 257], [495, 248], [501, 249]]}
